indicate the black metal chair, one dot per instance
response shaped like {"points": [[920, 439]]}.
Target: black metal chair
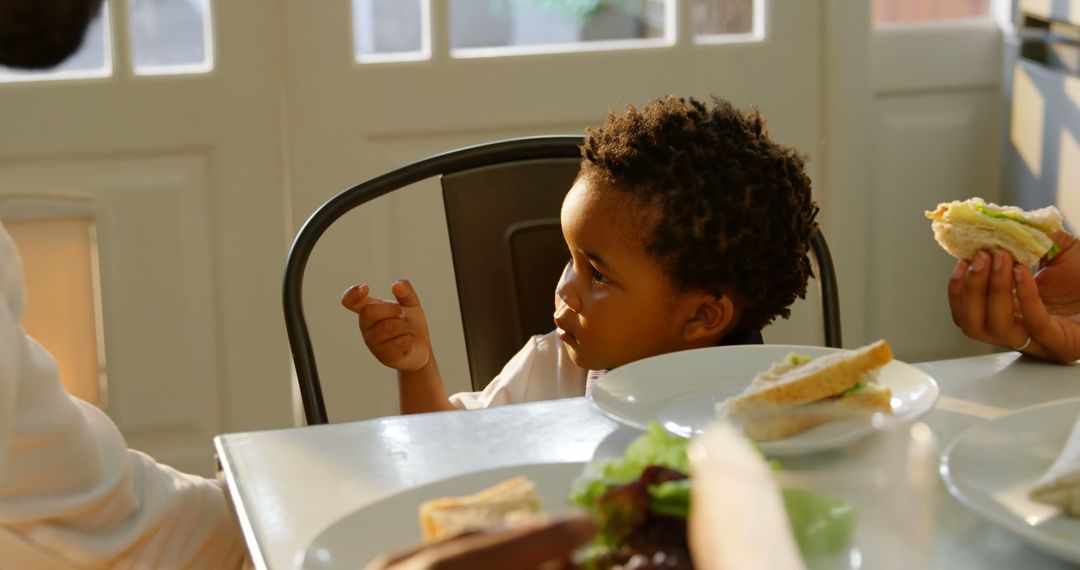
{"points": [[509, 253]]}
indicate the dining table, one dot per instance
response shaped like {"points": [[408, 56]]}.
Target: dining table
{"points": [[288, 485]]}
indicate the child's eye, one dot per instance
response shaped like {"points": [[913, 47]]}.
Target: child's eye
{"points": [[598, 277]]}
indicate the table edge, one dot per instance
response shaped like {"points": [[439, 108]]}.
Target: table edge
{"points": [[239, 506]]}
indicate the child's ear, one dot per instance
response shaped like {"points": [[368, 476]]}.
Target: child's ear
{"points": [[712, 317]]}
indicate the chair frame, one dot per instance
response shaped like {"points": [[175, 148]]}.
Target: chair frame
{"points": [[488, 154]]}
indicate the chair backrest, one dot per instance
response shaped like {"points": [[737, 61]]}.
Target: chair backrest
{"points": [[508, 253]]}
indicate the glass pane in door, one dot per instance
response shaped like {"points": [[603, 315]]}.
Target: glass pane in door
{"points": [[170, 36], [480, 28]]}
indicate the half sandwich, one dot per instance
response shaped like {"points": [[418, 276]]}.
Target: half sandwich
{"points": [[964, 228], [504, 503], [788, 399]]}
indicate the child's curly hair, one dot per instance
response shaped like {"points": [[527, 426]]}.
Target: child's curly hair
{"points": [[735, 210]]}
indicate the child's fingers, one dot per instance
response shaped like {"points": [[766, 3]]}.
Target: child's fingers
{"points": [[394, 352], [375, 312], [385, 330], [355, 297], [405, 294]]}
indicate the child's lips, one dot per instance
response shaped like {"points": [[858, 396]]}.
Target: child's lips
{"points": [[566, 336]]}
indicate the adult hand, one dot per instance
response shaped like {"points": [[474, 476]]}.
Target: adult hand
{"points": [[396, 332], [1058, 279], [547, 546], [997, 301]]}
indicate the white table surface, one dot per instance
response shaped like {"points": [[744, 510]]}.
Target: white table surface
{"points": [[288, 485]]}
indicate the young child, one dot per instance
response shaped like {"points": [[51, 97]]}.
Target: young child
{"points": [[687, 227]]}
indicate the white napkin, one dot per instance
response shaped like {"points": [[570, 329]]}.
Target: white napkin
{"points": [[738, 519], [1060, 485]]}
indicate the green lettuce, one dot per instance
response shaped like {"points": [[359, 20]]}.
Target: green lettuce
{"points": [[1014, 217], [822, 525], [656, 447]]}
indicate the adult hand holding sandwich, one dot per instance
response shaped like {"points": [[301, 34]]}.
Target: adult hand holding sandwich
{"points": [[996, 300]]}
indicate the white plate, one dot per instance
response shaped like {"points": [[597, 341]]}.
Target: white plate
{"points": [[393, 524], [991, 467], [681, 389]]}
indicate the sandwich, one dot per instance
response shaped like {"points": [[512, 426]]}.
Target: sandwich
{"points": [[508, 502], [780, 402], [1060, 485], [964, 228]]}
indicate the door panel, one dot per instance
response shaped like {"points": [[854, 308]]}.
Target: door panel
{"points": [[349, 122], [185, 174]]}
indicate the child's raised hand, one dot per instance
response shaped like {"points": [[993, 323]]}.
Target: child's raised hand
{"points": [[395, 332]]}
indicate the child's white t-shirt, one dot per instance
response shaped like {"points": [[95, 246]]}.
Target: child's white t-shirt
{"points": [[72, 495], [541, 370]]}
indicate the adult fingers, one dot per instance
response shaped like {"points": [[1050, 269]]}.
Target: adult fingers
{"points": [[1000, 320], [956, 290], [1036, 318], [970, 311]]}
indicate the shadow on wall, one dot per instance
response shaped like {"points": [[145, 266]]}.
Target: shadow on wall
{"points": [[1042, 158]]}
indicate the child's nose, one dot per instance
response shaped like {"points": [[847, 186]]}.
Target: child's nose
{"points": [[565, 290]]}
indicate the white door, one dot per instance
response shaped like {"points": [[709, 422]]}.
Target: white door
{"points": [[169, 141], [934, 136], [456, 72]]}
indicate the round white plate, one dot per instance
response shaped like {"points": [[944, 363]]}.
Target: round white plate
{"points": [[680, 390], [991, 467], [393, 523]]}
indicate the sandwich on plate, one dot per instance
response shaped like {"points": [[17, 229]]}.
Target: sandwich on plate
{"points": [[504, 503], [641, 502], [1060, 485], [964, 228], [787, 399]]}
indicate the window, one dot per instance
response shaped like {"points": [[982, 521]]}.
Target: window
{"points": [[901, 11], [391, 30], [93, 59], [400, 30], [170, 36], [721, 21], [506, 27]]}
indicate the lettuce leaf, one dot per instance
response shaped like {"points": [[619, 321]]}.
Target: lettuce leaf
{"points": [[1013, 217], [822, 525], [612, 492], [656, 447]]}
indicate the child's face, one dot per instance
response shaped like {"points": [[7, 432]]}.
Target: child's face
{"points": [[614, 303]]}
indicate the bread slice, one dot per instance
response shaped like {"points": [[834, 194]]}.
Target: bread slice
{"points": [[802, 418], [501, 503], [1062, 492], [823, 377], [962, 229]]}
